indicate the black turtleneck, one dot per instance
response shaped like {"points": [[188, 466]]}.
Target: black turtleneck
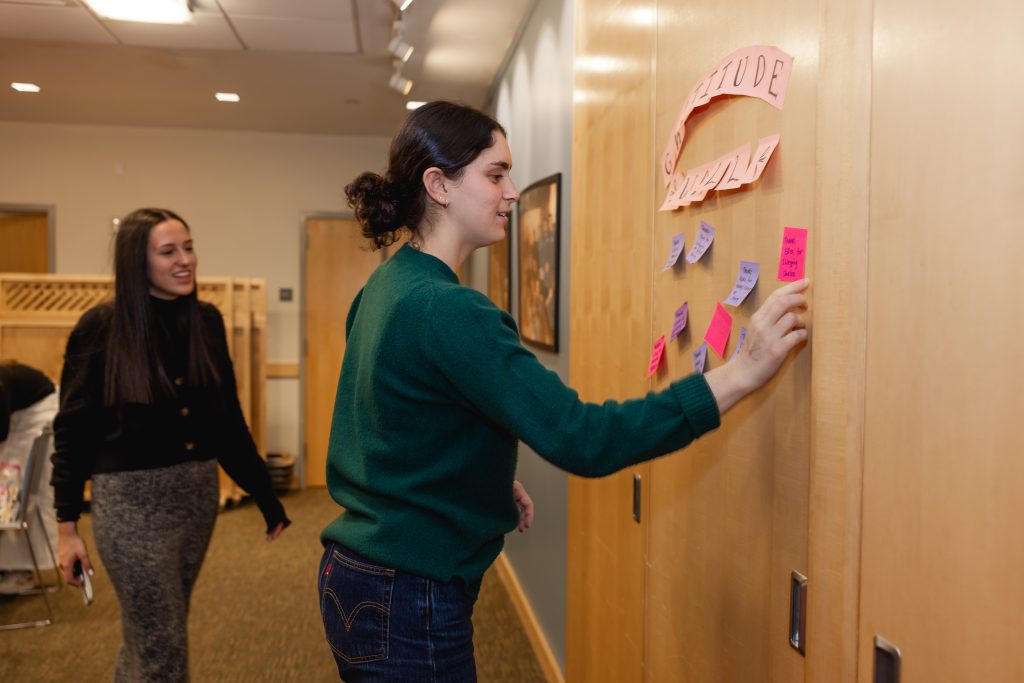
{"points": [[189, 423]]}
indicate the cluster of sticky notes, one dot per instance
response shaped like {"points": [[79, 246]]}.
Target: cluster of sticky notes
{"points": [[792, 258]]}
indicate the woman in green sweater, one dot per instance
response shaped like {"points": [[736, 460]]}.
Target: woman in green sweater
{"points": [[435, 393]]}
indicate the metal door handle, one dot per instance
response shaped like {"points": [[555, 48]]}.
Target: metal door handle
{"points": [[636, 498], [887, 661], [798, 612]]}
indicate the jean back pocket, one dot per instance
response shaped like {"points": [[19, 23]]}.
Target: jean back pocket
{"points": [[355, 604]]}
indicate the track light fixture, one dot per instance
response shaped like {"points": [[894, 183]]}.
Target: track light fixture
{"points": [[400, 49], [402, 4], [400, 83]]}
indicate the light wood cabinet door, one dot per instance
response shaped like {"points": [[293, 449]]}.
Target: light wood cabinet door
{"points": [[943, 541]]}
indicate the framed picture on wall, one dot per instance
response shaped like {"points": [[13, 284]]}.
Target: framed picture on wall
{"points": [[538, 233], [499, 284]]}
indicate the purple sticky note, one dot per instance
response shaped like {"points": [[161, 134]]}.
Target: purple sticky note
{"points": [[745, 282], [705, 236], [739, 344], [700, 357], [717, 335], [793, 254], [682, 313], [678, 242]]}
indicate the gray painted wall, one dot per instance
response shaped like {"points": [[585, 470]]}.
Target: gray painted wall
{"points": [[533, 100]]}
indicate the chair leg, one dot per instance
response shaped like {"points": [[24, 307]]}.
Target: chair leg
{"points": [[53, 557], [42, 590]]}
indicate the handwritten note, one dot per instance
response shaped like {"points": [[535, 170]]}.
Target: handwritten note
{"points": [[678, 242], [682, 313], [765, 148], [733, 170], [705, 236], [659, 350], [717, 335], [700, 357], [793, 254], [739, 344], [745, 282]]}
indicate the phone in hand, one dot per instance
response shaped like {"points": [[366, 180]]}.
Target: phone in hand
{"points": [[86, 582]]}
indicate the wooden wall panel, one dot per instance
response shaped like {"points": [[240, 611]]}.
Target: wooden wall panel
{"points": [[610, 328], [943, 554], [730, 513]]}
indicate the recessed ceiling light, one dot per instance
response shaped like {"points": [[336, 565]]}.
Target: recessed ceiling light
{"points": [[227, 97], [413, 104], [26, 87], [145, 11]]}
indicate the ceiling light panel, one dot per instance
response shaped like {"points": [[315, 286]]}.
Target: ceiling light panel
{"points": [[208, 31], [227, 97], [301, 9], [150, 11], [52, 24], [296, 35]]}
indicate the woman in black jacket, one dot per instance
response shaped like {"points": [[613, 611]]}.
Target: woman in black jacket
{"points": [[148, 407]]}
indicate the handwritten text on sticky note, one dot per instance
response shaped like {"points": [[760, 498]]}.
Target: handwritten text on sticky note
{"points": [[678, 242], [745, 282], [793, 254], [682, 313], [739, 344], [705, 236]]}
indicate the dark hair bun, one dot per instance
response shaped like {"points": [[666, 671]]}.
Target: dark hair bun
{"points": [[376, 208]]}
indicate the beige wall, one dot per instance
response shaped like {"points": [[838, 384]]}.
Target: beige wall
{"points": [[244, 195]]}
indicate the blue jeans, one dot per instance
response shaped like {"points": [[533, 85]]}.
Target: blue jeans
{"points": [[386, 625]]}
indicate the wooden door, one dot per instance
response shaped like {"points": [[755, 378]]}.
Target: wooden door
{"points": [[338, 262], [25, 236], [943, 541], [610, 332]]}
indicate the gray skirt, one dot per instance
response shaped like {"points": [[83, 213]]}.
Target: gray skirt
{"points": [[152, 528]]}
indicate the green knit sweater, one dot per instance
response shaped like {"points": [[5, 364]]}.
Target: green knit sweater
{"points": [[435, 393]]}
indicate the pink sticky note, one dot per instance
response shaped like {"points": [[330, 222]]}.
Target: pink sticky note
{"points": [[793, 254], [700, 357], [717, 335], [682, 314], [659, 349], [739, 161]]}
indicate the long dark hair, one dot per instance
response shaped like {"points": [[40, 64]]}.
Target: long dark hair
{"points": [[134, 372], [442, 134]]}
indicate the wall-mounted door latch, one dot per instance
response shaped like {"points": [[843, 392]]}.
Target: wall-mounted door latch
{"points": [[887, 661], [798, 612], [636, 498]]}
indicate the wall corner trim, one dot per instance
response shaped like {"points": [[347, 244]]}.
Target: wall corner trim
{"points": [[539, 643]]}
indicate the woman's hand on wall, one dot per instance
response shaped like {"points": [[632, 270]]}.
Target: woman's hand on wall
{"points": [[775, 329]]}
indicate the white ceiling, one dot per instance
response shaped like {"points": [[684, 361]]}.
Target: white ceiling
{"points": [[300, 66]]}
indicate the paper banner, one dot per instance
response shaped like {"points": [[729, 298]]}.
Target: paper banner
{"points": [[765, 148], [739, 344], [759, 71], [682, 314], [745, 282], [678, 242], [728, 172], [793, 254], [700, 357], [705, 236], [659, 349], [717, 335]]}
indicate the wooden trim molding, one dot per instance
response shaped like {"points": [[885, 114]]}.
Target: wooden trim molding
{"points": [[282, 370], [539, 643]]}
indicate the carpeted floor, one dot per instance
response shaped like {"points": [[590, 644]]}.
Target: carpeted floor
{"points": [[254, 614]]}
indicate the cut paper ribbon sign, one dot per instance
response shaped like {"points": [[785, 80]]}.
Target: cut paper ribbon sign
{"points": [[793, 254], [739, 344], [678, 242], [659, 350], [735, 169], [700, 357], [717, 335], [760, 71], [682, 313], [705, 236], [745, 282]]}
